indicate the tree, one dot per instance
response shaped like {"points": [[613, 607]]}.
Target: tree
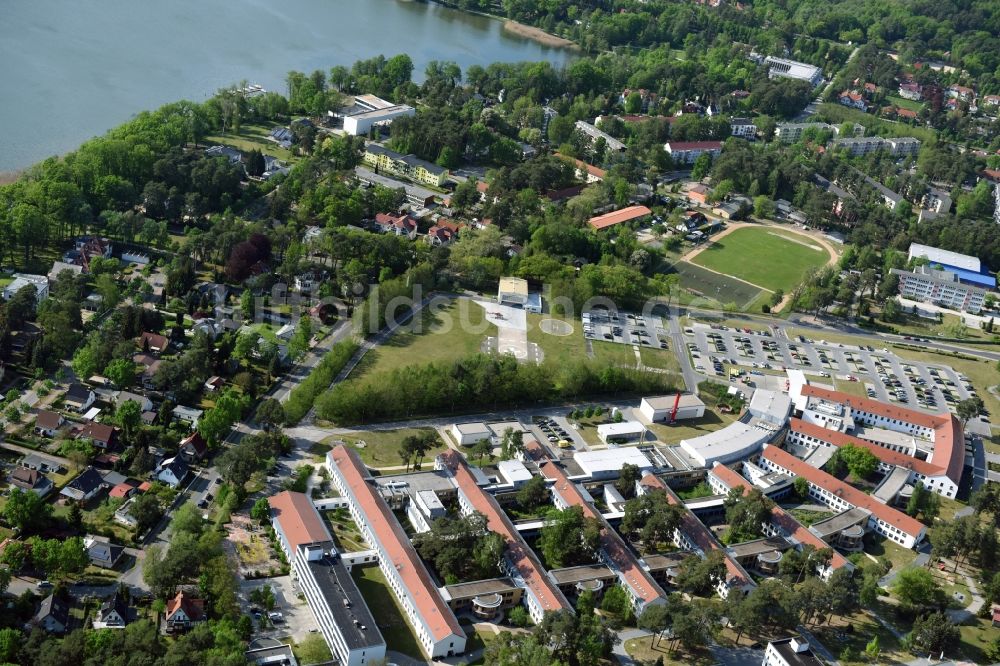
{"points": [[627, 478], [146, 511], [270, 413], [656, 619], [26, 511], [261, 511], [129, 416], [534, 493], [568, 537], [892, 311], [917, 589], [969, 408], [935, 633], [698, 576], [763, 207], [314, 650], [653, 517], [746, 514], [481, 449], [511, 443], [121, 372], [461, 549], [616, 601], [801, 487], [860, 462], [701, 167]]}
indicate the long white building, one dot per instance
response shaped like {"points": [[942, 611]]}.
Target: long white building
{"points": [[433, 621], [763, 421], [792, 69], [942, 287], [343, 617]]}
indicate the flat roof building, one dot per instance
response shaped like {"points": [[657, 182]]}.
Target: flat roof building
{"points": [[467, 434], [942, 287], [659, 408], [945, 257], [594, 134], [343, 617], [619, 433], [514, 472], [369, 111], [437, 629], [763, 421], [790, 652], [607, 463], [792, 69]]}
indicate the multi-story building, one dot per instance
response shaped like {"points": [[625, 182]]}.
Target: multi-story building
{"points": [[792, 132], [420, 171], [840, 496], [22, 280], [790, 652], [434, 623], [594, 134], [686, 152], [743, 128], [942, 287], [636, 581], [369, 111], [791, 69], [519, 562], [343, 617], [898, 146]]}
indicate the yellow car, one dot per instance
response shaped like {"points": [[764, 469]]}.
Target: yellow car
{"points": [[564, 444]]}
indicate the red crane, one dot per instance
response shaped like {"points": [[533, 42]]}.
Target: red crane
{"points": [[673, 412]]}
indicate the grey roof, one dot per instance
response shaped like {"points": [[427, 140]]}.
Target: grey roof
{"points": [[117, 603], [55, 608], [336, 585], [78, 393], [411, 160], [87, 481]]}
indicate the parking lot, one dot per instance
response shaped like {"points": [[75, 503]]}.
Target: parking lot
{"points": [[625, 328], [884, 375], [292, 616], [558, 433]]}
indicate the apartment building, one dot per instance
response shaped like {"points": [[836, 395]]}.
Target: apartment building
{"points": [[942, 287], [792, 132], [865, 145], [686, 152], [388, 161]]}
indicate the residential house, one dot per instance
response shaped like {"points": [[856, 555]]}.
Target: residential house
{"points": [[93, 302], [228, 152], [123, 514], [282, 136], [420, 171], [911, 90], [31, 479], [35, 461], [214, 383], [183, 612], [743, 128], [852, 99], [961, 93], [48, 423], [52, 615], [990, 100], [100, 435], [584, 171], [402, 224], [102, 552], [85, 486], [121, 397], [193, 447], [59, 266], [172, 471], [113, 613], [309, 280], [150, 366], [645, 97], [22, 280], [698, 194], [79, 398], [153, 343], [86, 248], [188, 415]]}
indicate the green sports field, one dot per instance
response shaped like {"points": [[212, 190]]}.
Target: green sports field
{"points": [[716, 290], [763, 256]]}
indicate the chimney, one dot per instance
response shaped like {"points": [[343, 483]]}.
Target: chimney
{"points": [[799, 644]]}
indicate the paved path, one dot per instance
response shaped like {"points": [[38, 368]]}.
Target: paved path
{"points": [[62, 462], [618, 649]]}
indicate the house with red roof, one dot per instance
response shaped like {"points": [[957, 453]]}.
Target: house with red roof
{"points": [[183, 612], [401, 224], [613, 218]]}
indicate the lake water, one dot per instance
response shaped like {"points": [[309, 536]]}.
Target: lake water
{"points": [[72, 69]]}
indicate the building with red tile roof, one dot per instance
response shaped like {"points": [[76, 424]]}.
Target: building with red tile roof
{"points": [[840, 496], [944, 431], [584, 171], [782, 522], [296, 522], [541, 594], [693, 534], [121, 491], [619, 216], [183, 612], [435, 624], [641, 587]]}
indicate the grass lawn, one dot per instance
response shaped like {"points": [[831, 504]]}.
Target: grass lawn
{"points": [[449, 329], [835, 637], [712, 420], [977, 634], [642, 650], [388, 615], [381, 447], [558, 349], [345, 532], [854, 388], [764, 257], [807, 517], [721, 289], [879, 546], [903, 103], [252, 136]]}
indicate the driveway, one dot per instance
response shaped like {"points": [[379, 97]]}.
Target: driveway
{"points": [[298, 620]]}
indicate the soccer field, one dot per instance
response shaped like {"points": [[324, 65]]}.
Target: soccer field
{"points": [[763, 256]]}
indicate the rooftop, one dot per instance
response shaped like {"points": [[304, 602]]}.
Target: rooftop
{"points": [[439, 620], [845, 491], [299, 520], [336, 584], [619, 216], [667, 401]]}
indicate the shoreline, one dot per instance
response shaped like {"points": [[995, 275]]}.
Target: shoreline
{"points": [[8, 177], [539, 35], [520, 29]]}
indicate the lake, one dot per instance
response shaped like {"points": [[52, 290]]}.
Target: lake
{"points": [[72, 69]]}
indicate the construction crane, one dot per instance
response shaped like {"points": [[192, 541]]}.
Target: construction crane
{"points": [[673, 412]]}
